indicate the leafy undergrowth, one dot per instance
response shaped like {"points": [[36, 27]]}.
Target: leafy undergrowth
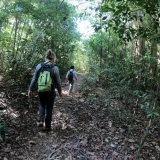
{"points": [[80, 130]]}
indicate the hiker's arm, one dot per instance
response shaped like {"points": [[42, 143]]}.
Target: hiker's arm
{"points": [[34, 78], [67, 75], [75, 75], [57, 80]]}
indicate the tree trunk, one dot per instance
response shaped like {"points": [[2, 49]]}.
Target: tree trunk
{"points": [[153, 64], [15, 33], [140, 44], [140, 49]]}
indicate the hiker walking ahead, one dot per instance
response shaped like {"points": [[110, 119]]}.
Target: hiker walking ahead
{"points": [[47, 76], [71, 76]]}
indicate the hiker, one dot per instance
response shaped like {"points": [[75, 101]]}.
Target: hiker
{"points": [[46, 96], [71, 76]]}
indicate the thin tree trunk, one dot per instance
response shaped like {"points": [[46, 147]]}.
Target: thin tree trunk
{"points": [[154, 64], [15, 33], [140, 44], [140, 49]]}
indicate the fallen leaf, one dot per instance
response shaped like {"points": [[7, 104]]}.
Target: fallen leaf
{"points": [[7, 150], [67, 158], [131, 140], [154, 143], [121, 130], [32, 142], [12, 153], [21, 157], [146, 144], [42, 134], [128, 157], [132, 147], [91, 153], [110, 124], [153, 158], [158, 148], [113, 145], [106, 140], [115, 153], [106, 155], [84, 142]]}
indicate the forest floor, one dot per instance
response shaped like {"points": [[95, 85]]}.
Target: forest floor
{"points": [[78, 132]]}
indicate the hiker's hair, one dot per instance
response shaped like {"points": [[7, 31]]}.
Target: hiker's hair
{"points": [[72, 67], [50, 55]]}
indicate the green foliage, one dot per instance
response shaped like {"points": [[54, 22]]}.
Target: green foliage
{"points": [[127, 81], [3, 130], [128, 18], [29, 29], [111, 51]]}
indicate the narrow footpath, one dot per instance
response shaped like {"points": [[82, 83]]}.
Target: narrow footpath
{"points": [[80, 131]]}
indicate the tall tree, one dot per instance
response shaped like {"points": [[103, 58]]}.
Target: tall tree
{"points": [[30, 28]]}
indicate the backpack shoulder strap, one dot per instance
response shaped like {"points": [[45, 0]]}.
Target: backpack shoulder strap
{"points": [[52, 70], [42, 65]]}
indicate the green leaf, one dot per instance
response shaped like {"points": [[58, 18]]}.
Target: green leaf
{"points": [[117, 12], [156, 114], [104, 18], [149, 115], [1, 139], [106, 140]]}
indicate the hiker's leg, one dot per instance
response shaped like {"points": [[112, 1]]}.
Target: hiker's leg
{"points": [[41, 107], [70, 87], [49, 108], [72, 83], [41, 113], [69, 90]]}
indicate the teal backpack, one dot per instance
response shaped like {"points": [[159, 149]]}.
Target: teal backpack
{"points": [[45, 79]]}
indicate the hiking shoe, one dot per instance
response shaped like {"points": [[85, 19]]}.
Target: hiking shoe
{"points": [[40, 124], [46, 129]]}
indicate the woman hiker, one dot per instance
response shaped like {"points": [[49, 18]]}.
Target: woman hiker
{"points": [[46, 98]]}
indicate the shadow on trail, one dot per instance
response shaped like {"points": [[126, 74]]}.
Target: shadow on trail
{"points": [[24, 140]]}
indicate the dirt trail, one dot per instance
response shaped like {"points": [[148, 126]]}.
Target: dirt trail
{"points": [[76, 85], [54, 144], [80, 131], [27, 141]]}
